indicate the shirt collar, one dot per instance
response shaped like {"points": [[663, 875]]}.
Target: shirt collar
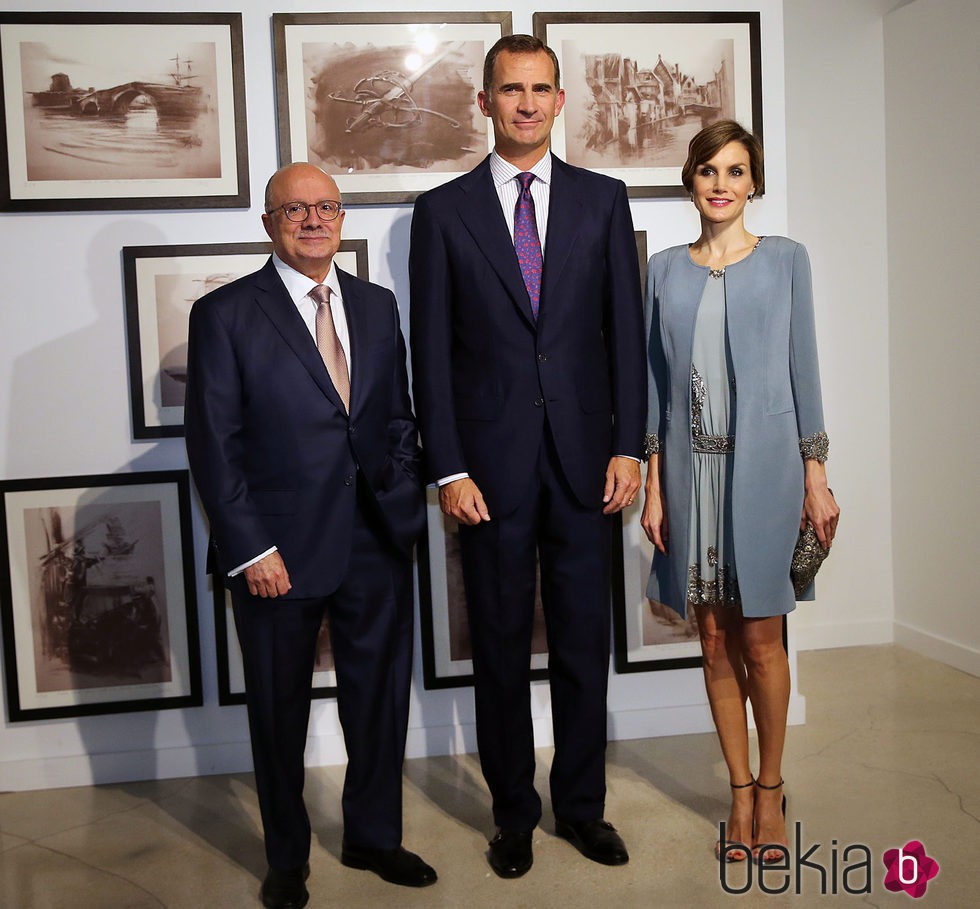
{"points": [[503, 171], [298, 285]]}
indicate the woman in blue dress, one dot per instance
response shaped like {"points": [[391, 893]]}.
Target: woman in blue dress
{"points": [[737, 448]]}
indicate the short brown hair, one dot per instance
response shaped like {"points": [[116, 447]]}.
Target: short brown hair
{"points": [[712, 139], [517, 44]]}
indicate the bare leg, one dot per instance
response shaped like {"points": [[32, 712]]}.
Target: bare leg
{"points": [[726, 681], [768, 686]]}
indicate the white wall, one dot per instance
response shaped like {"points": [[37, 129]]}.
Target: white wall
{"points": [[64, 403], [835, 138], [932, 84]]}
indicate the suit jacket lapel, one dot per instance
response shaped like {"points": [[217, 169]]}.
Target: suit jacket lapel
{"points": [[272, 298], [566, 209], [479, 209]]}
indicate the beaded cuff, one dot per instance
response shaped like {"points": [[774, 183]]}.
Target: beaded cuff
{"points": [[815, 447], [651, 445]]}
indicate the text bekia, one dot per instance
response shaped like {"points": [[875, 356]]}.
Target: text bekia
{"points": [[846, 869]]}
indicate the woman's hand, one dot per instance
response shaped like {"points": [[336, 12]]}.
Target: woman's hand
{"points": [[654, 519], [819, 506]]}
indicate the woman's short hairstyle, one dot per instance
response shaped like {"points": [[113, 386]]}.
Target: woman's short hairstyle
{"points": [[711, 140]]}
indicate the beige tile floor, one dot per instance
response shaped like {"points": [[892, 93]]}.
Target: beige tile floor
{"points": [[890, 753]]}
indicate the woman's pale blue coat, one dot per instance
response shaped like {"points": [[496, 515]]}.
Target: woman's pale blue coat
{"points": [[771, 334]]}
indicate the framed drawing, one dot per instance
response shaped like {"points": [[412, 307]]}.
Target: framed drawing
{"points": [[639, 85], [231, 675], [122, 111], [646, 634], [447, 655], [98, 610], [162, 283], [384, 102]]}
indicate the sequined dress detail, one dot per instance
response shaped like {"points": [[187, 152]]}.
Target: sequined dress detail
{"points": [[711, 573]]}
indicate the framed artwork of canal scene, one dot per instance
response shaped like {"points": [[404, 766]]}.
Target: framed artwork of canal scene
{"points": [[97, 595], [122, 111], [384, 102], [162, 283], [638, 86]]}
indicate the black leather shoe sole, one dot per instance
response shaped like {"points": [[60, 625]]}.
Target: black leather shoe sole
{"points": [[510, 854]]}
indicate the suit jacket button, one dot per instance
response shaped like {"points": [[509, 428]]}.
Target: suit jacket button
{"points": [[349, 480], [542, 358], [539, 402]]}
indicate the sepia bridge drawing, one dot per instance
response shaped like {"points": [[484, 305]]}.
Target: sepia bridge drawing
{"points": [[179, 100]]}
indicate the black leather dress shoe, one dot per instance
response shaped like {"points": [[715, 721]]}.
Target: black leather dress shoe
{"points": [[597, 840], [284, 889], [510, 853], [397, 866]]}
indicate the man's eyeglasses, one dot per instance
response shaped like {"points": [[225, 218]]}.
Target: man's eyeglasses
{"points": [[327, 210]]}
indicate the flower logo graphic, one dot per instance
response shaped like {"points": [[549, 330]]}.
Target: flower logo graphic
{"points": [[909, 869]]}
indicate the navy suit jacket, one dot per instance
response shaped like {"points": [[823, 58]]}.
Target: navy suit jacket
{"points": [[485, 373], [272, 451]]}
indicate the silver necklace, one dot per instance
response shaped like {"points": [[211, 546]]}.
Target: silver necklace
{"points": [[720, 272]]}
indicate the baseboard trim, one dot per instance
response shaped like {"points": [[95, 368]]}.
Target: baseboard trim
{"points": [[58, 772], [849, 634], [959, 656]]}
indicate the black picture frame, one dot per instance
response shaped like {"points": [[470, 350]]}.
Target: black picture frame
{"points": [[161, 283], [639, 85], [347, 101], [98, 608], [163, 125]]}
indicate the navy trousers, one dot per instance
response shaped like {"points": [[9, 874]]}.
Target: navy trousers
{"points": [[370, 617], [572, 543]]}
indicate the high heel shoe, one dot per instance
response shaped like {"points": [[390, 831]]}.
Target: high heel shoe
{"points": [[759, 852], [734, 855]]}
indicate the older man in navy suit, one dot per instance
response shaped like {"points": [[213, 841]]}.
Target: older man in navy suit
{"points": [[303, 447], [529, 371]]}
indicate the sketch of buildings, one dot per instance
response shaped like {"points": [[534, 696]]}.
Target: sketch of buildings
{"points": [[641, 112]]}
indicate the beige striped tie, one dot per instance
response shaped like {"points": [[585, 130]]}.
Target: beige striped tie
{"points": [[329, 344]]}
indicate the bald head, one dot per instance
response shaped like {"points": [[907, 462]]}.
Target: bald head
{"points": [[309, 245], [281, 176]]}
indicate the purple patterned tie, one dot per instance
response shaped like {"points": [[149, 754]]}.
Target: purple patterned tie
{"points": [[527, 242]]}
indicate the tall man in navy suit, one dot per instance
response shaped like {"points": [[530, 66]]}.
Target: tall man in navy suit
{"points": [[304, 449], [529, 377]]}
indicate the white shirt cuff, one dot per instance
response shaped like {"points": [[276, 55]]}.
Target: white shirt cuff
{"points": [[258, 558], [451, 479]]}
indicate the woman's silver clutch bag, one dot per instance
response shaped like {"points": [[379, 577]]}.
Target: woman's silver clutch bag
{"points": [[808, 556]]}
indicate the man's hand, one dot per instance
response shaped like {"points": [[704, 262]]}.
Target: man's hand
{"points": [[463, 501], [622, 484], [268, 577]]}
